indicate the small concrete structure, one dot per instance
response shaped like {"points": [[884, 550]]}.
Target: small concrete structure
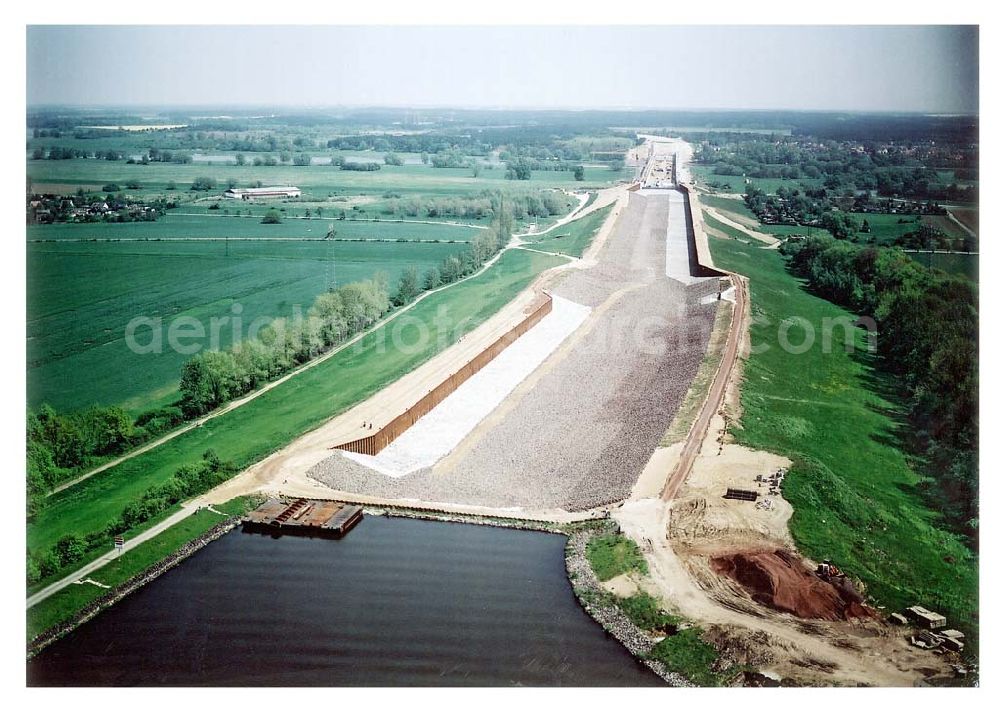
{"points": [[926, 618]]}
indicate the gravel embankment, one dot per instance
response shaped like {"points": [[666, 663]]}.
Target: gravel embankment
{"points": [[581, 436]]}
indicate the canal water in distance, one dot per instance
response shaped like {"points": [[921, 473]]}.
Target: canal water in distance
{"points": [[397, 601]]}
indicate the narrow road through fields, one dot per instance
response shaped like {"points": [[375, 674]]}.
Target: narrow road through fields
{"points": [[961, 225], [757, 235]]}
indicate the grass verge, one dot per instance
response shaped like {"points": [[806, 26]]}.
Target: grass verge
{"points": [[62, 605], [686, 653], [839, 419], [573, 237], [611, 555]]}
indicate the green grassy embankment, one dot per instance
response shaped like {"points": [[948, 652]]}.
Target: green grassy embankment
{"points": [[680, 649], [574, 237], [611, 555], [838, 418]]}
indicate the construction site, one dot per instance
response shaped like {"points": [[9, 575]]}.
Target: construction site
{"points": [[558, 409]]}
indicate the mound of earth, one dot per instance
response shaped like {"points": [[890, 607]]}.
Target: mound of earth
{"points": [[778, 579]]}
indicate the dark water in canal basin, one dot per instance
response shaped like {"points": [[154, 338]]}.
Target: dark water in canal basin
{"points": [[395, 602]]}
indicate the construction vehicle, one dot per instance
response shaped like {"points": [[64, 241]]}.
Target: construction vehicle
{"points": [[827, 571]]}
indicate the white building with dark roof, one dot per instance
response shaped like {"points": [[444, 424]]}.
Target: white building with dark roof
{"points": [[263, 193]]}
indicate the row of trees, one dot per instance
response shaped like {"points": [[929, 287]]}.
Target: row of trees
{"points": [[360, 166], [928, 323], [190, 480], [927, 237], [485, 204], [481, 248], [212, 378], [60, 445]]}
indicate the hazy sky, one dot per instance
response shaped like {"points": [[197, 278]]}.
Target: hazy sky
{"points": [[932, 69]]}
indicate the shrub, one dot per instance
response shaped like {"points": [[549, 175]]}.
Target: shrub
{"points": [[686, 653], [613, 554], [203, 184], [645, 612]]}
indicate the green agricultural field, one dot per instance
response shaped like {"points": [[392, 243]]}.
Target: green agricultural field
{"points": [[947, 176], [886, 228], [953, 263], [856, 500], [64, 604], [737, 184], [316, 182], [574, 237], [210, 226], [967, 215], [946, 225], [81, 297], [251, 432]]}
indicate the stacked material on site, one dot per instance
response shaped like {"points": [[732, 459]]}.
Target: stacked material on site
{"points": [[778, 579]]}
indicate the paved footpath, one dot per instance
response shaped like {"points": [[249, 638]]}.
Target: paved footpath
{"points": [[104, 559]]}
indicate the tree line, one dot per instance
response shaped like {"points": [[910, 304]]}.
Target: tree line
{"points": [[212, 378], [60, 445], [189, 480], [928, 326], [485, 204]]}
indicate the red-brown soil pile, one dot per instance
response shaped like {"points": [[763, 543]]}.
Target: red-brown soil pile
{"points": [[779, 579]]}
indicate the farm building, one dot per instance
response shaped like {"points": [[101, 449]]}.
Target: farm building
{"points": [[263, 193]]}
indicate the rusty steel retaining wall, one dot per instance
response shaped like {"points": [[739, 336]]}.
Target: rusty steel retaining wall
{"points": [[373, 444]]}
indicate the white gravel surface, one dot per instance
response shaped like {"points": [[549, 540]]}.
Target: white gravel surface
{"points": [[438, 432]]}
